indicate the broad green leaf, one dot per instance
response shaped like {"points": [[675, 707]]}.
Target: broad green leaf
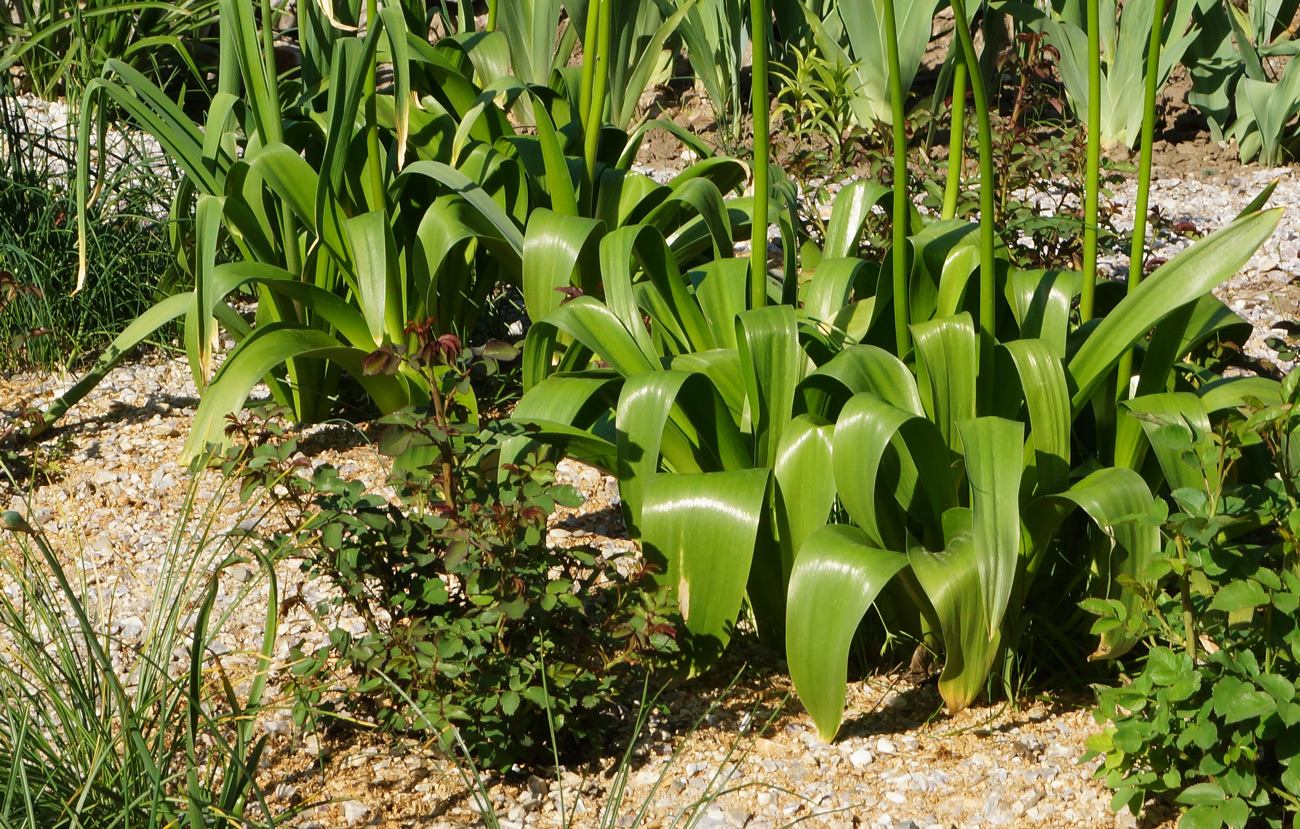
{"points": [[1189, 274], [849, 214], [773, 363], [655, 417], [1041, 301], [805, 492], [378, 290], [947, 357], [1239, 595], [592, 324], [836, 577], [1047, 398], [256, 356], [556, 248], [701, 530], [857, 369], [1116, 499], [951, 580], [991, 446], [200, 327], [889, 462], [1184, 411]]}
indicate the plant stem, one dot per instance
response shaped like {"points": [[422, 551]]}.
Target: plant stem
{"points": [[899, 223], [589, 51], [1185, 597], [1137, 250], [762, 154], [275, 130], [492, 16], [372, 120], [599, 82], [956, 139], [1092, 184], [988, 260]]}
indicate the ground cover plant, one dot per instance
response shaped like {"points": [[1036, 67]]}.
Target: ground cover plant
{"points": [[1211, 720]]}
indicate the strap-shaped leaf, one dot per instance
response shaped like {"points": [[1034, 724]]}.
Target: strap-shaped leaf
{"points": [[772, 363], [376, 280], [831, 287], [836, 577], [137, 332], [1190, 274], [805, 493], [673, 310], [1046, 396], [722, 367], [1116, 499], [1185, 412], [856, 369], [556, 249], [1041, 301], [677, 415], [889, 461], [947, 362], [992, 447], [849, 215], [1232, 392], [952, 582], [267, 348], [595, 327], [720, 290], [701, 529]]}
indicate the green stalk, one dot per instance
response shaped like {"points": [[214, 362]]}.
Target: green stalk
{"points": [[275, 132], [762, 154], [988, 260], [1092, 183], [902, 340], [1137, 251], [492, 16], [372, 120], [600, 81], [956, 139], [589, 51]]}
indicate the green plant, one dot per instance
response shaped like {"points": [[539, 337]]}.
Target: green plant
{"points": [[466, 611], [1122, 35], [42, 324], [1261, 128], [814, 96], [1236, 42], [1212, 720], [337, 255], [86, 741], [62, 46], [716, 35], [858, 36]]}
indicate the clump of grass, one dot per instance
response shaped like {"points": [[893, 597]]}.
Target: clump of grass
{"points": [[96, 731], [43, 324]]}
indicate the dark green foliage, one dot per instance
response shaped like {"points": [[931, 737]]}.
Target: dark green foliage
{"points": [[1213, 720], [469, 620]]}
